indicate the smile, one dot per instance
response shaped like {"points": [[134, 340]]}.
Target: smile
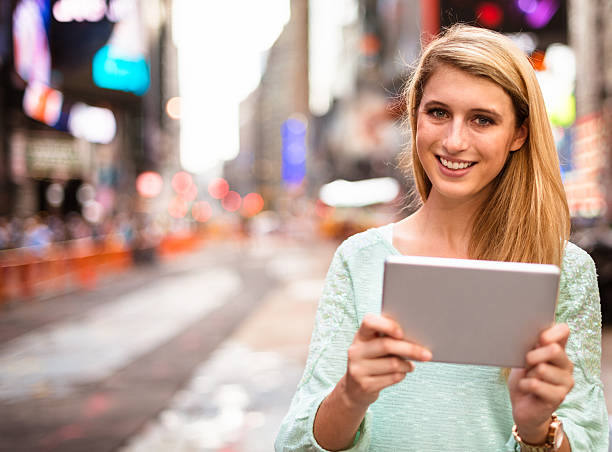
{"points": [[454, 165]]}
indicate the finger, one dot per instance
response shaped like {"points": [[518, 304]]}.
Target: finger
{"points": [[384, 366], [374, 325], [557, 333], [384, 346], [552, 394], [553, 354], [380, 382], [551, 374]]}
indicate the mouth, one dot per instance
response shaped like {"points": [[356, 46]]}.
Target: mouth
{"points": [[454, 164]]}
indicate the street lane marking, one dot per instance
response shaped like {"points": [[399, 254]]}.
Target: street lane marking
{"points": [[50, 361]]}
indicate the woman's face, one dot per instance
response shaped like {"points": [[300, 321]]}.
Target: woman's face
{"points": [[465, 132]]}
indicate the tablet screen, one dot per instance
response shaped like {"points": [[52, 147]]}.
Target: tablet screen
{"points": [[471, 311]]}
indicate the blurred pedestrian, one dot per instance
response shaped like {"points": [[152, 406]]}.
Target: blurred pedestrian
{"points": [[5, 234], [487, 172], [37, 235]]}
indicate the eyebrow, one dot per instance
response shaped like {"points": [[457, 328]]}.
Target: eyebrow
{"points": [[436, 103]]}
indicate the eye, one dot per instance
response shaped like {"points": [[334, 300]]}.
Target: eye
{"points": [[483, 121], [437, 113]]}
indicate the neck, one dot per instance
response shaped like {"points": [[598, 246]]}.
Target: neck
{"points": [[447, 223]]}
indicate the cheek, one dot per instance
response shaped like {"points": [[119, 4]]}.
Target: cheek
{"points": [[424, 136]]}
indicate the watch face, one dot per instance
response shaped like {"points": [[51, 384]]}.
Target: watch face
{"points": [[558, 437]]}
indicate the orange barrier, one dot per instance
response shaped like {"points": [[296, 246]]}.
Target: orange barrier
{"points": [[78, 263], [74, 264], [176, 244]]}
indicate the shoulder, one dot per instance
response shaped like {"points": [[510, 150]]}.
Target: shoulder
{"points": [[578, 278], [366, 242], [575, 259]]}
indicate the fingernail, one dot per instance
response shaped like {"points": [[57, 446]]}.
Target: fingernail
{"points": [[426, 355]]}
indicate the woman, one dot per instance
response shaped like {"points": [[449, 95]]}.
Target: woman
{"points": [[487, 173]]}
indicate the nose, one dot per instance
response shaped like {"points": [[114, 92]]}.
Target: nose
{"points": [[455, 139]]}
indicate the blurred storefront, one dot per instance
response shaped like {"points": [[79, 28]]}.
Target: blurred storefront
{"points": [[83, 84]]}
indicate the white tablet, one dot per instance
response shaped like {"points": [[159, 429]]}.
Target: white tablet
{"points": [[471, 311]]}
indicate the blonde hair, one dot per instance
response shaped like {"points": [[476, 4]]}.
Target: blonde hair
{"points": [[526, 218]]}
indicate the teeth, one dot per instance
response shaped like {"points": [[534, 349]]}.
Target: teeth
{"points": [[454, 165]]}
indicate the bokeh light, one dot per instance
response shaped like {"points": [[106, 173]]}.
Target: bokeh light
{"points": [[191, 193], [489, 14], [93, 211], [218, 188], [55, 194], [173, 108], [182, 182], [149, 184], [201, 211], [178, 207], [527, 6], [85, 193], [252, 204], [232, 201]]}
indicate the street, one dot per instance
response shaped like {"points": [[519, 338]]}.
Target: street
{"points": [[199, 353]]}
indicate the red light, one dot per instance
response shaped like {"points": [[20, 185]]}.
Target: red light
{"points": [[232, 201], [252, 204], [178, 207], [182, 182], [191, 193], [322, 210], [149, 184], [370, 44], [218, 188], [201, 211], [489, 14]]}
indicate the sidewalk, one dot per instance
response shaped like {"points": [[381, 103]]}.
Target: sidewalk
{"points": [[237, 399]]}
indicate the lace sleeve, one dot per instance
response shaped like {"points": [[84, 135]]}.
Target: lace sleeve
{"points": [[335, 326], [584, 411]]}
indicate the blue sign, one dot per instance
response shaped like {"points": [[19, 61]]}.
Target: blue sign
{"points": [[293, 134], [112, 72]]}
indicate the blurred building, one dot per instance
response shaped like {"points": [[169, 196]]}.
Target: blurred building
{"points": [[281, 95], [81, 103], [590, 33], [361, 134]]}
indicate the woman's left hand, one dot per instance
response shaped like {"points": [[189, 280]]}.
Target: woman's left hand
{"points": [[537, 390]]}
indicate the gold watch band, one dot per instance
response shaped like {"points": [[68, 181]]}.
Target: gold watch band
{"points": [[549, 444]]}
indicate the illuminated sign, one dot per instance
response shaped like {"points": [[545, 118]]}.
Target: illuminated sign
{"points": [[79, 10], [94, 124], [113, 72], [31, 46], [293, 133], [91, 10]]}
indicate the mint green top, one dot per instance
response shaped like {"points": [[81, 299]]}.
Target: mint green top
{"points": [[441, 407]]}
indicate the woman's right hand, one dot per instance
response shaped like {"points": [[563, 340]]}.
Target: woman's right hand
{"points": [[378, 357]]}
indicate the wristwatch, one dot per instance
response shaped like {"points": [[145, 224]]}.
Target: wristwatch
{"points": [[554, 438]]}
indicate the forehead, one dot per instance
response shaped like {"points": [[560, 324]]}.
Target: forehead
{"points": [[455, 87]]}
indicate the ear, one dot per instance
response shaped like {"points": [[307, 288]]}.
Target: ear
{"points": [[520, 135]]}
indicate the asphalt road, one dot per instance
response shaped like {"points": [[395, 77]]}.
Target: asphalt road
{"points": [[200, 353]]}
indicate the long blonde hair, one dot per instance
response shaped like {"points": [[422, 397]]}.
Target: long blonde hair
{"points": [[526, 217]]}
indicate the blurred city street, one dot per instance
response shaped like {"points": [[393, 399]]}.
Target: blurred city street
{"points": [[197, 354]]}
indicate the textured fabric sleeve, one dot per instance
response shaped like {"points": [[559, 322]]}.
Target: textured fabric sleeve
{"points": [[583, 411], [335, 326]]}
